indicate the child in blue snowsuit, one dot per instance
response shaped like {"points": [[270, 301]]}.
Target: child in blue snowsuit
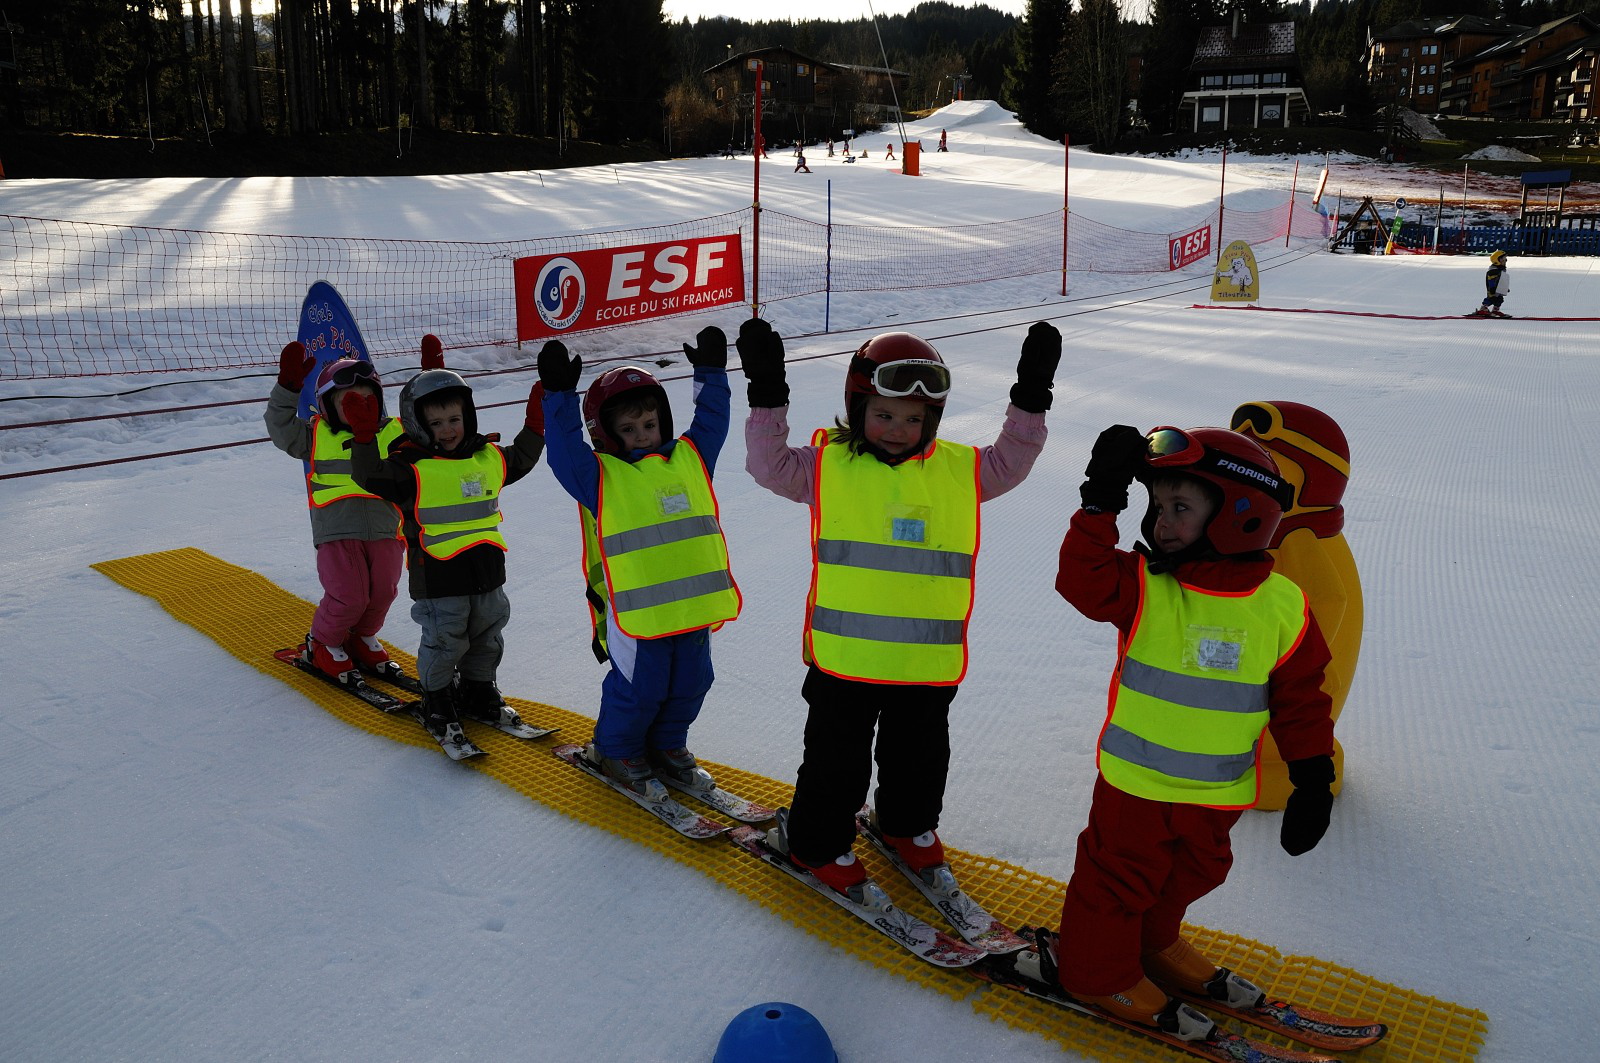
{"points": [[654, 555], [1497, 285]]}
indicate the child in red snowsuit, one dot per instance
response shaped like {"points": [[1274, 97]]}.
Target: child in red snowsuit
{"points": [[1212, 648]]}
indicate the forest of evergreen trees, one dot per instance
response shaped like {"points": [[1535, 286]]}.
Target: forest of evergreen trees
{"points": [[616, 71]]}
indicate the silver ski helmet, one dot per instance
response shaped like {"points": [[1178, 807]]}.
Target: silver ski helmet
{"points": [[432, 385]]}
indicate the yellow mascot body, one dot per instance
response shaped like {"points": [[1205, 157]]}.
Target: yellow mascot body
{"points": [[1310, 548]]}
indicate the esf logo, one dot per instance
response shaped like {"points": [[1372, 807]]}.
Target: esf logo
{"points": [[559, 293]]}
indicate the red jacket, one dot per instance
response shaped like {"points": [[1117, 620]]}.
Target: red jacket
{"points": [[1102, 583]]}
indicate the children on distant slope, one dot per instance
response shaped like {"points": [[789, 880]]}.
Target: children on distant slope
{"points": [[1497, 285], [446, 478], [1213, 647], [355, 533], [895, 539], [654, 555]]}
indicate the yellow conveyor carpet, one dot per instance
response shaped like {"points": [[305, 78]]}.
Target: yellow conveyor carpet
{"points": [[251, 617]]}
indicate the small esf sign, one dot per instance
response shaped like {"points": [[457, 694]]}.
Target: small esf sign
{"points": [[580, 290], [1190, 247]]}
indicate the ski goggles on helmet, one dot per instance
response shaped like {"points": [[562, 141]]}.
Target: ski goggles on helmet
{"points": [[1172, 446], [352, 371], [904, 379], [1168, 447]]}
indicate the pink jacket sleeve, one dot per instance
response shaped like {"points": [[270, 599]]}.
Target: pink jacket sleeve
{"points": [[790, 471]]}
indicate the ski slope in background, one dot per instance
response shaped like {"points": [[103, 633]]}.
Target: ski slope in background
{"points": [[202, 865]]}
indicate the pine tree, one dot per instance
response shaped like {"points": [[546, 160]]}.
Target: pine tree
{"points": [[1028, 79]]}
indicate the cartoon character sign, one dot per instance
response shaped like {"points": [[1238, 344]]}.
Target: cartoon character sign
{"points": [[1236, 279], [1310, 548]]}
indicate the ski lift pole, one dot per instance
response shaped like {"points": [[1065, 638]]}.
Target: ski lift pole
{"points": [[827, 264], [1222, 192], [759, 148], [1294, 186], [1066, 193]]}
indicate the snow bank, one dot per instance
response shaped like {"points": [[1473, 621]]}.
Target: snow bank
{"points": [[1501, 153]]}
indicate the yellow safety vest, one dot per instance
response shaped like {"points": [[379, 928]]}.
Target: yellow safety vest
{"points": [[655, 550], [329, 479], [458, 502], [1189, 701], [893, 550]]}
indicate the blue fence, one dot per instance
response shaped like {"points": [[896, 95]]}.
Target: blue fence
{"points": [[1516, 240]]}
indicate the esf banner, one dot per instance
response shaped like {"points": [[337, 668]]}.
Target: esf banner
{"points": [[1191, 247], [558, 294]]}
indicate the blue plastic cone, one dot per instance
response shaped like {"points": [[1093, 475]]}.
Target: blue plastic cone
{"points": [[775, 1033]]}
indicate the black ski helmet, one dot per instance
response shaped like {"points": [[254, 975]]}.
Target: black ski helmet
{"points": [[432, 385]]}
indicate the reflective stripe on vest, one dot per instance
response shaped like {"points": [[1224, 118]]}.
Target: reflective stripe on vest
{"points": [[458, 502], [329, 478], [660, 545], [1190, 702], [894, 548]]}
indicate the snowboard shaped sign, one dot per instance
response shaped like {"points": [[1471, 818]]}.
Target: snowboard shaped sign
{"points": [[1236, 279], [329, 333]]}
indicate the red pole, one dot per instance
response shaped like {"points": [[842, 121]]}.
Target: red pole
{"points": [[1222, 191], [760, 147], [1066, 191], [1294, 187]]}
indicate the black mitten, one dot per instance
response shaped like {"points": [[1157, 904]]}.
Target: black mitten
{"points": [[1117, 457], [712, 350], [1036, 369], [558, 370], [761, 357], [1306, 815]]}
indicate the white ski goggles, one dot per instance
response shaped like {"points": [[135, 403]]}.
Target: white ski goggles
{"points": [[903, 379]]}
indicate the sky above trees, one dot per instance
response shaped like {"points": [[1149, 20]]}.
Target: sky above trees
{"points": [[843, 10]]}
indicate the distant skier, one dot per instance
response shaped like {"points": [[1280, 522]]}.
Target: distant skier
{"points": [[1497, 285]]}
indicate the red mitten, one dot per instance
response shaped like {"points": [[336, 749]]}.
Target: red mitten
{"points": [[432, 352], [294, 365], [362, 412], [534, 418]]}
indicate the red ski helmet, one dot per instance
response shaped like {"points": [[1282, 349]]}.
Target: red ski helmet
{"points": [[344, 373], [1254, 495], [609, 387], [898, 365]]}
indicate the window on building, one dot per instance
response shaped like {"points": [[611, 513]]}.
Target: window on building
{"points": [[802, 69], [1211, 114], [1404, 52], [751, 64], [1211, 81], [722, 93], [1241, 80], [1274, 79]]}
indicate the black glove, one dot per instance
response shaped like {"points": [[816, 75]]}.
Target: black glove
{"points": [[1036, 369], [1117, 457], [761, 357], [558, 370], [1305, 817], [713, 349]]}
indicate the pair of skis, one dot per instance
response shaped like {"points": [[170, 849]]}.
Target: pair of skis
{"points": [[453, 740], [659, 804], [989, 951]]}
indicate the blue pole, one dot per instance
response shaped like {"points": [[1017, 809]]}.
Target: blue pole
{"points": [[827, 270]]}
